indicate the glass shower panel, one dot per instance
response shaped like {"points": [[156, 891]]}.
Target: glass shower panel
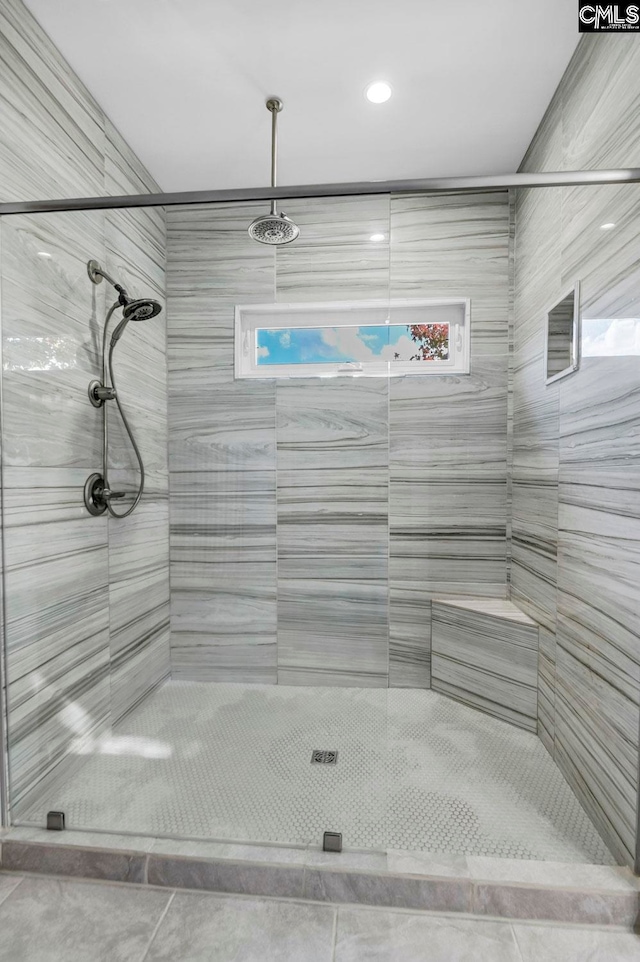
{"points": [[278, 648], [57, 564], [336, 651]]}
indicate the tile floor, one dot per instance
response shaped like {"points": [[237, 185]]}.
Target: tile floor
{"points": [[416, 771], [52, 920]]}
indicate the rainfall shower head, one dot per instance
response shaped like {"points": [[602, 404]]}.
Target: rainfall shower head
{"points": [[141, 310], [273, 228]]}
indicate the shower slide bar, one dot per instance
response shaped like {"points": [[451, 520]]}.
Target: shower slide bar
{"points": [[565, 178]]}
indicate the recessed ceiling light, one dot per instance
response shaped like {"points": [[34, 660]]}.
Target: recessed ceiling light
{"points": [[378, 92], [376, 238], [44, 254], [607, 226]]}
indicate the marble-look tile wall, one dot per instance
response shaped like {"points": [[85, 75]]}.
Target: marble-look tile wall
{"points": [[448, 435], [222, 453], [576, 535], [87, 599], [135, 244], [485, 654], [312, 521], [333, 465]]}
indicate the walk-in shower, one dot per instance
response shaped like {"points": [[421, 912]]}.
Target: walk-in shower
{"points": [[340, 547], [98, 494]]}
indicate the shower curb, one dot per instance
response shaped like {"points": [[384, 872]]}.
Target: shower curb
{"points": [[598, 895]]}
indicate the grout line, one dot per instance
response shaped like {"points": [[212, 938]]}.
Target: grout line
{"points": [[14, 889], [515, 939], [157, 926], [334, 939]]}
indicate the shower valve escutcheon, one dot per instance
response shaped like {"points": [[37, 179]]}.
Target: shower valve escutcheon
{"points": [[98, 393], [97, 496]]}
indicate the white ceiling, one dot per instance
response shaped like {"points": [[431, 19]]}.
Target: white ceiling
{"points": [[185, 82]]}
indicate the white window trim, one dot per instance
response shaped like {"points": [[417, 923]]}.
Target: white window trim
{"points": [[250, 317]]}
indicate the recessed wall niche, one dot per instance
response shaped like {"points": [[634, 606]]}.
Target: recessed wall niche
{"points": [[562, 336]]}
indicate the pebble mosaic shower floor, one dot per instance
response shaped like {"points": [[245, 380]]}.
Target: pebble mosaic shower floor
{"points": [[415, 771]]}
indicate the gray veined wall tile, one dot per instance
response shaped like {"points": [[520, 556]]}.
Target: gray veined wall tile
{"points": [[594, 756], [332, 442], [224, 430], [247, 658], [534, 550], [575, 506], [57, 623], [449, 537], [547, 688], [51, 317], [139, 604], [332, 523], [409, 637], [53, 130], [599, 101], [486, 661], [59, 665], [224, 521], [534, 524], [225, 631], [448, 483], [222, 453], [598, 676], [223, 549], [332, 532], [334, 258], [448, 440], [326, 424], [135, 255], [451, 245], [332, 633], [332, 439], [139, 600], [434, 420], [56, 579], [212, 265], [596, 256]]}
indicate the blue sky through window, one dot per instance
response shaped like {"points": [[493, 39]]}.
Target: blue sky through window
{"points": [[325, 345]]}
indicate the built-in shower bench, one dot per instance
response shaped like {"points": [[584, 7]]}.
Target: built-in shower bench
{"points": [[484, 652]]}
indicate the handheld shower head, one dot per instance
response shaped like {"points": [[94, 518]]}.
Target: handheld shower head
{"points": [[141, 310]]}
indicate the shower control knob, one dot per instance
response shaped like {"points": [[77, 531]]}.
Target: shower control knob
{"points": [[97, 496]]}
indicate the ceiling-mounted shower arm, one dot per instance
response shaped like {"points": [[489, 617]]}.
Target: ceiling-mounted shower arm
{"points": [[273, 228], [274, 106]]}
